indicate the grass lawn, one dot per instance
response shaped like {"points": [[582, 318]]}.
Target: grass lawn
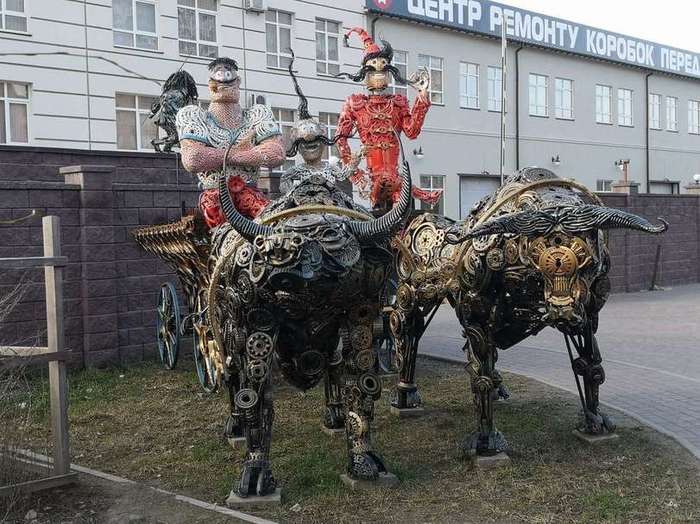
{"points": [[154, 426]]}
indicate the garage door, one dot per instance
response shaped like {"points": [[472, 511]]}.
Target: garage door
{"points": [[474, 188]]}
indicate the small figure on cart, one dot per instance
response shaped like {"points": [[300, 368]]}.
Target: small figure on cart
{"points": [[380, 118], [250, 138]]}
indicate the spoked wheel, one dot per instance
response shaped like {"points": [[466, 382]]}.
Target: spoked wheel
{"points": [[168, 325], [207, 372], [383, 341]]}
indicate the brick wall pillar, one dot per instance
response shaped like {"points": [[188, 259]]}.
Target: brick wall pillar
{"points": [[98, 290]]}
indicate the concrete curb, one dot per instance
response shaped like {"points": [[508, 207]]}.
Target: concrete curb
{"points": [[38, 458], [683, 442]]}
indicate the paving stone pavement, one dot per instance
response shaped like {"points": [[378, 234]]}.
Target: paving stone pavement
{"points": [[651, 355]]}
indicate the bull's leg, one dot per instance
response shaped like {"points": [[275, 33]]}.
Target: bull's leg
{"points": [[334, 416], [407, 329], [485, 380], [233, 429], [362, 387], [588, 366]]}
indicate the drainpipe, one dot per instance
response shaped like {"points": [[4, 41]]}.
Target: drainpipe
{"points": [[517, 108], [648, 169], [372, 26]]}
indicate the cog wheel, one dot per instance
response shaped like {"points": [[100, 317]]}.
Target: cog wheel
{"points": [[259, 345]]}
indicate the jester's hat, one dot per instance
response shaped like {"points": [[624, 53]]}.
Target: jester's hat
{"points": [[372, 50]]}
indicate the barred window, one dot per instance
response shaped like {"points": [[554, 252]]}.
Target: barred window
{"points": [[134, 130], [196, 27], [14, 113], [278, 35], [134, 23]]}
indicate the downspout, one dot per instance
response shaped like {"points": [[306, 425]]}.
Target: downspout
{"points": [[372, 26], [517, 108], [648, 169], [87, 78]]}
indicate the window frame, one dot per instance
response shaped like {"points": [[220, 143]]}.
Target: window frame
{"points": [[673, 129], [325, 118], [396, 88], [464, 76], [198, 41], [498, 88], [546, 95], [603, 183], [134, 32], [7, 100], [650, 109], [326, 36], [279, 53], [621, 104], [284, 125], [696, 129], [429, 65], [441, 202], [560, 110], [610, 113], [137, 112], [4, 12]]}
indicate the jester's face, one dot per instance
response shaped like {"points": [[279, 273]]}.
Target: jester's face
{"points": [[377, 78]]}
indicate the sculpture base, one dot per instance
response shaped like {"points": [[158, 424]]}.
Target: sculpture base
{"points": [[499, 460], [235, 501], [406, 412], [236, 442], [385, 480], [332, 432], [594, 439]]}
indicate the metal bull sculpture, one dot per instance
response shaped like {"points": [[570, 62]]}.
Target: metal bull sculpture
{"points": [[286, 288], [531, 255]]}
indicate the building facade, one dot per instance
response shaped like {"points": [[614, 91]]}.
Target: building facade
{"points": [[82, 75]]}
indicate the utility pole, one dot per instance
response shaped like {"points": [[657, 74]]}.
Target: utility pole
{"points": [[504, 48]]}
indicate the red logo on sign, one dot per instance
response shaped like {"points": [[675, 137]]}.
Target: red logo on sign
{"points": [[382, 4]]}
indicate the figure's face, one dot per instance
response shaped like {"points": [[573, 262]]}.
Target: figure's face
{"points": [[307, 133], [312, 152], [224, 85], [377, 78]]}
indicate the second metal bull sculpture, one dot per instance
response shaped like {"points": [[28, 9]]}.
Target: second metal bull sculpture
{"points": [[531, 255], [286, 288]]}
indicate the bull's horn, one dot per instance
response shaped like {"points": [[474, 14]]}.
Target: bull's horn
{"points": [[527, 223], [598, 217], [366, 230], [243, 226]]}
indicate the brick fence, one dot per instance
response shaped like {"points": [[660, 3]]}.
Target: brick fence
{"points": [[111, 285]]}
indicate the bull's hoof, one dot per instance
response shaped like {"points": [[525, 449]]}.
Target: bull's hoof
{"points": [[488, 444], [256, 479], [406, 399], [365, 466], [596, 424]]}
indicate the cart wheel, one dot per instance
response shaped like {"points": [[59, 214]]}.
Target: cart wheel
{"points": [[168, 325], [207, 372]]}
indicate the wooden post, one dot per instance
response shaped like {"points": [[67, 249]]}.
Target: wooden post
{"points": [[58, 382]]}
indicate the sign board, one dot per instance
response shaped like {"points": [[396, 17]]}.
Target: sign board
{"points": [[486, 18]]}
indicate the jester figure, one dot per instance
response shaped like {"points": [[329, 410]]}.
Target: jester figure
{"points": [[380, 117], [205, 137]]}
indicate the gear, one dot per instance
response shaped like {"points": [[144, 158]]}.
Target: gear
{"points": [[257, 369], [259, 345], [364, 360]]}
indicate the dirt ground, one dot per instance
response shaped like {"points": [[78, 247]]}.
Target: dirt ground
{"points": [[155, 427]]}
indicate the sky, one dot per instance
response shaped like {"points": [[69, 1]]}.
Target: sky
{"points": [[674, 23]]}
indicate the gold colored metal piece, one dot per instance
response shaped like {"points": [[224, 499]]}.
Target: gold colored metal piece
{"points": [[303, 210]]}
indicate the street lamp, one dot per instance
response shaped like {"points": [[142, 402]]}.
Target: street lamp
{"points": [[556, 161], [419, 153]]}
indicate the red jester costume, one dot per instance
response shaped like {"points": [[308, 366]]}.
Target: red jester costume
{"points": [[380, 118]]}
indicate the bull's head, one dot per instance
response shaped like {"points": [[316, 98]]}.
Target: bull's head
{"points": [[563, 245]]}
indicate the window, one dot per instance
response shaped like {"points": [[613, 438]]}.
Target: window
{"points": [[14, 113], [327, 35], [624, 107], [603, 104], [564, 98], [400, 61], [432, 182], [330, 120], [285, 119], [671, 113], [468, 85], [495, 81], [12, 16], [196, 28], [538, 95], [134, 129], [694, 117], [654, 111], [603, 185], [434, 66], [134, 23], [278, 32]]}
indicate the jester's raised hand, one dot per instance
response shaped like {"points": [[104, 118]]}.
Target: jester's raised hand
{"points": [[420, 81]]}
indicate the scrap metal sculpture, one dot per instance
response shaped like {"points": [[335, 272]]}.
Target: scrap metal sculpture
{"points": [[533, 254]]}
